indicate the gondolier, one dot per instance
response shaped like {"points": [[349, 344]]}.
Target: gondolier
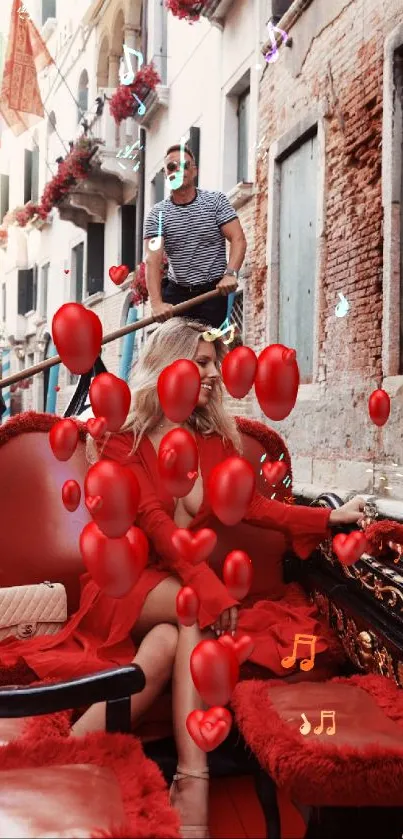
{"points": [[192, 226]]}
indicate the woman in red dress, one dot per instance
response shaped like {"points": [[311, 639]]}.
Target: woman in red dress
{"points": [[106, 631]]}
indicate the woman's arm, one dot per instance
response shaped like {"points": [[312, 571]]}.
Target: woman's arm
{"points": [[305, 526]]}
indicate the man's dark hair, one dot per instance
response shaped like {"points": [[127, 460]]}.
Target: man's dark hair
{"points": [[178, 148]]}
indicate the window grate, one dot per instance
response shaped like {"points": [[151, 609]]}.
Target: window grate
{"points": [[237, 312]]}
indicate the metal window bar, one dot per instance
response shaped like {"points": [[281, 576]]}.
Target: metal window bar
{"points": [[236, 316]]}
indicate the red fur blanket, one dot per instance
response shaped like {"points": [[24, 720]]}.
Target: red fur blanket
{"points": [[46, 742], [385, 538]]}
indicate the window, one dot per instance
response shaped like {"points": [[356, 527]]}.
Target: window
{"points": [[95, 258], [82, 96], [194, 145], [35, 288], [243, 136], [27, 286], [128, 242], [236, 133], [77, 263], [35, 175], [48, 10], [278, 8], [297, 257], [160, 51], [158, 185], [27, 175], [43, 311], [31, 175], [4, 301], [4, 196]]}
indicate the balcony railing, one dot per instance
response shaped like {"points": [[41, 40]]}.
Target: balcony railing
{"points": [[154, 100]]}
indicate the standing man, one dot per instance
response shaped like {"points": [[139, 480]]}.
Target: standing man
{"points": [[192, 226]]}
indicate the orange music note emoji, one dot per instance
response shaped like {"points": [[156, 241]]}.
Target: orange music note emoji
{"points": [[330, 729], [306, 663], [306, 726]]}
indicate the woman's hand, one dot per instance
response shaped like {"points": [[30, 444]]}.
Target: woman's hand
{"points": [[349, 513], [227, 622]]}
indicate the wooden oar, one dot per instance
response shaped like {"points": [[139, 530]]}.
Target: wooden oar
{"points": [[118, 333]]}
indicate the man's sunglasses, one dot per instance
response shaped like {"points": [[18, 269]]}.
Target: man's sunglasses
{"points": [[173, 165]]}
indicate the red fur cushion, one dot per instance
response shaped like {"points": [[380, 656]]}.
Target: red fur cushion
{"points": [[360, 765], [142, 788]]}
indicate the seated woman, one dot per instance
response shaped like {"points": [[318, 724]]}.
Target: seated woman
{"points": [[106, 631]]}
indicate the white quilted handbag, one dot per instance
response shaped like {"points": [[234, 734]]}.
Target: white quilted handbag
{"points": [[26, 611]]}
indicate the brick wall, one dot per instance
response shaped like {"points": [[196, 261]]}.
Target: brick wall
{"points": [[335, 63]]}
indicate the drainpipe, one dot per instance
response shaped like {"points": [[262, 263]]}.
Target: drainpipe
{"points": [[142, 137]]}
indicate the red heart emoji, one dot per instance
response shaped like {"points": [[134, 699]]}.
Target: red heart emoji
{"points": [[97, 427], [119, 274], [77, 335], [194, 547], [114, 564], [93, 503], [274, 472], [169, 457], [209, 728], [242, 647], [67, 271], [215, 672], [187, 606], [349, 548], [289, 356]]}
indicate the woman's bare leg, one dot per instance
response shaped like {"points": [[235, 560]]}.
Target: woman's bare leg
{"points": [[155, 655], [191, 794]]}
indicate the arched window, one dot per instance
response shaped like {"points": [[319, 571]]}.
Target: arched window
{"points": [[103, 64], [82, 96]]}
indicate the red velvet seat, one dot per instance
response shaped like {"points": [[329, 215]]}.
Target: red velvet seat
{"points": [[39, 537], [101, 785]]}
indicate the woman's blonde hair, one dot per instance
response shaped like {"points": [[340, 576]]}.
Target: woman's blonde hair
{"points": [[175, 339]]}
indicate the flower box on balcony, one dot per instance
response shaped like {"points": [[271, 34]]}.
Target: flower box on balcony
{"points": [[154, 100], [129, 98], [189, 10]]}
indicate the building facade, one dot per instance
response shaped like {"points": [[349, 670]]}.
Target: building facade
{"points": [[208, 93], [308, 149], [328, 223]]}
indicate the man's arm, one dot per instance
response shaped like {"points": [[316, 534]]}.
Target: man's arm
{"points": [[235, 236], [160, 310]]}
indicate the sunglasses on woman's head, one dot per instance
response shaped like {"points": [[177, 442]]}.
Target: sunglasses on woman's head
{"points": [[173, 165]]}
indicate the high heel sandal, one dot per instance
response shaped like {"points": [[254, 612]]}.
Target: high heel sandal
{"points": [[191, 831]]}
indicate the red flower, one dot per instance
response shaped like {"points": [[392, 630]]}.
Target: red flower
{"points": [[73, 168], [138, 285], [186, 9], [123, 103]]}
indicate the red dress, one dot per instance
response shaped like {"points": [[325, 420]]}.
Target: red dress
{"points": [[98, 635]]}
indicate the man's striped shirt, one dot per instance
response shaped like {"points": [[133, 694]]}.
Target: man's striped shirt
{"points": [[193, 241]]}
